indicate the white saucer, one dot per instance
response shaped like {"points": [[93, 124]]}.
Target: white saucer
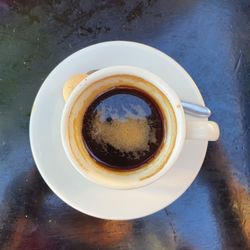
{"points": [[57, 171]]}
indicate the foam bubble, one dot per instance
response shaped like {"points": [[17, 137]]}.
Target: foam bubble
{"points": [[132, 134]]}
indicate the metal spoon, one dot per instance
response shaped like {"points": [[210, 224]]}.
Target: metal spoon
{"points": [[195, 109], [189, 108]]}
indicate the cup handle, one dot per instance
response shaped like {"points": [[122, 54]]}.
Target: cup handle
{"points": [[202, 130]]}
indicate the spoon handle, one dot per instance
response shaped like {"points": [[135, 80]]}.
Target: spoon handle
{"points": [[195, 109]]}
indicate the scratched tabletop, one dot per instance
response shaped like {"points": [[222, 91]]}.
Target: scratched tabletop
{"points": [[210, 39]]}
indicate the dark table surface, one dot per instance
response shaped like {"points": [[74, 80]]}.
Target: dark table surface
{"points": [[210, 39]]}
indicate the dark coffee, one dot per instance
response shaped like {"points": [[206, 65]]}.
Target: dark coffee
{"points": [[123, 128]]}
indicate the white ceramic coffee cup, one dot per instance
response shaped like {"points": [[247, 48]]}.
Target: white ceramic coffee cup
{"points": [[90, 87]]}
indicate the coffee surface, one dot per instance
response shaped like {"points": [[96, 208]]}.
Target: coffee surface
{"points": [[122, 128]]}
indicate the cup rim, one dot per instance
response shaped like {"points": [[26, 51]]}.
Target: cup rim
{"points": [[146, 75]]}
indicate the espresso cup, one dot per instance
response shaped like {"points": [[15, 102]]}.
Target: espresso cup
{"points": [[177, 127]]}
